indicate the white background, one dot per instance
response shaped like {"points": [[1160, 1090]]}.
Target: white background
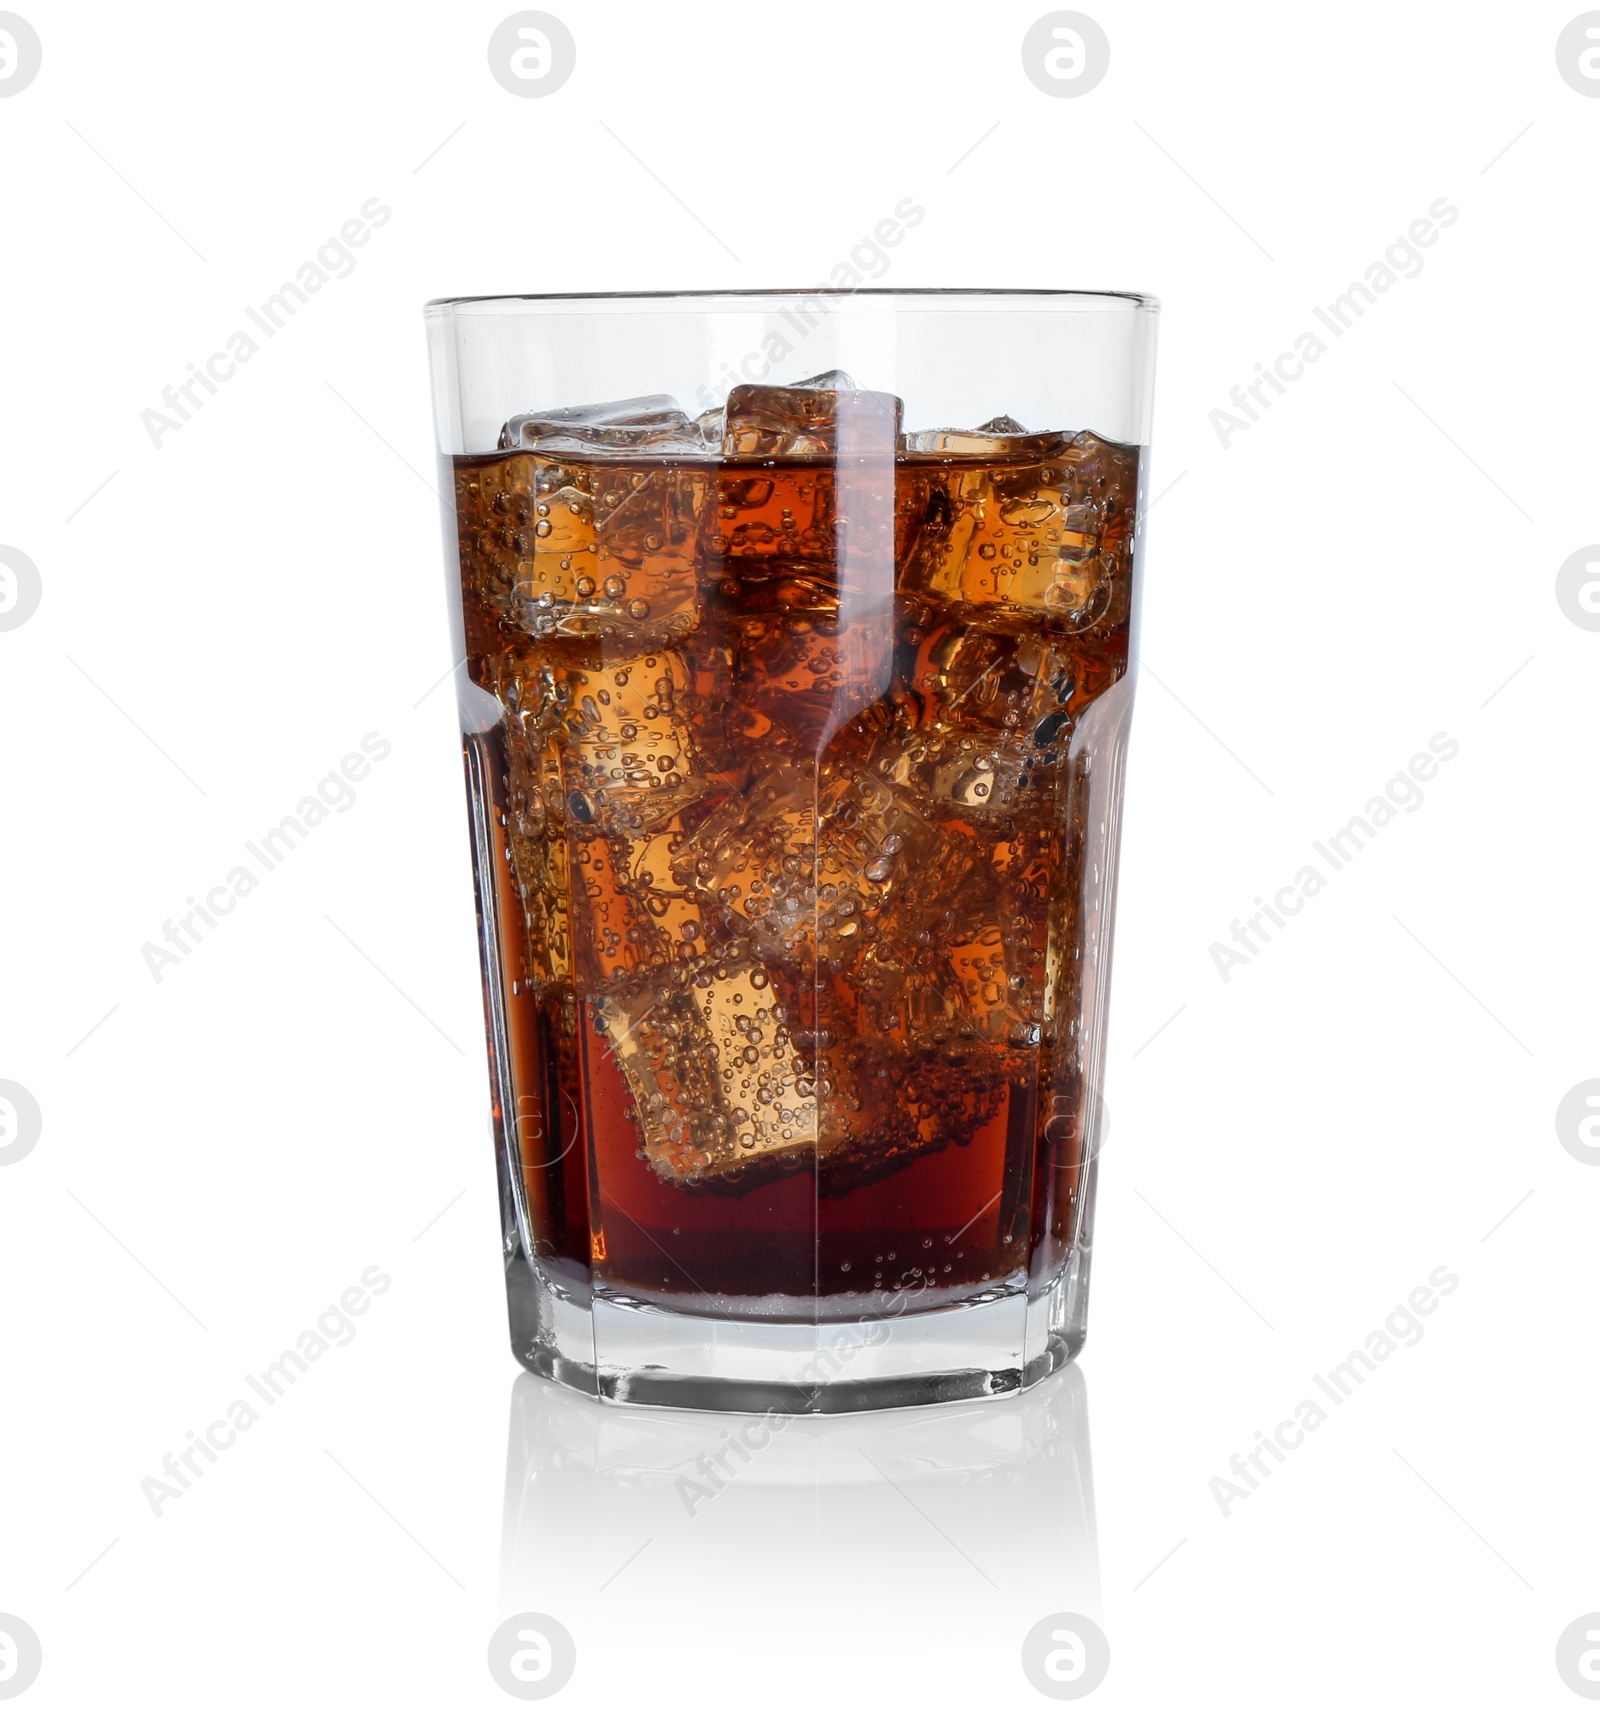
{"points": [[1365, 1101]]}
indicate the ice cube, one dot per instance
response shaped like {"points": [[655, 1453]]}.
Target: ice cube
{"points": [[673, 908], [645, 581], [992, 941], [897, 997], [708, 425], [614, 936], [576, 548], [561, 555], [789, 536], [707, 661], [649, 870], [896, 1094], [628, 754], [923, 1104], [770, 1099], [1048, 537], [754, 856], [731, 1085], [649, 1028], [771, 524], [630, 913], [810, 863], [525, 528], [720, 1090], [587, 551], [790, 670], [652, 423], [824, 415], [957, 955], [996, 931], [999, 437], [986, 722]]}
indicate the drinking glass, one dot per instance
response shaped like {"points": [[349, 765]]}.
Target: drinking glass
{"points": [[795, 639]]}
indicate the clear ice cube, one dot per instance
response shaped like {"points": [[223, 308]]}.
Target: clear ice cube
{"points": [[824, 415], [527, 527], [1045, 538], [631, 914], [999, 437], [988, 717], [963, 971], [628, 754], [790, 669], [651, 423], [718, 1083], [991, 944], [587, 549], [615, 937], [814, 863], [597, 552], [645, 581]]}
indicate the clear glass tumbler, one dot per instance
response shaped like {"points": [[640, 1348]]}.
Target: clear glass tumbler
{"points": [[794, 709]]}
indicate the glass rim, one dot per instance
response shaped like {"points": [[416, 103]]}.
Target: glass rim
{"points": [[1111, 299]]}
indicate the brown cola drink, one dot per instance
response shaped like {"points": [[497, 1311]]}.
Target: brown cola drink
{"points": [[793, 811]]}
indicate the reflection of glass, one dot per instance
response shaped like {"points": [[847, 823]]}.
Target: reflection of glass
{"points": [[794, 735], [911, 1549]]}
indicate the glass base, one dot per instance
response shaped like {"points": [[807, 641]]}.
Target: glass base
{"points": [[627, 1351]]}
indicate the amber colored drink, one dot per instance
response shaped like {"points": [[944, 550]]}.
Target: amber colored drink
{"points": [[792, 842]]}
